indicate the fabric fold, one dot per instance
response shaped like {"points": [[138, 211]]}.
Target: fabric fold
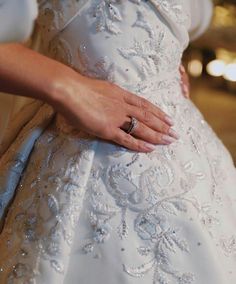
{"points": [[15, 159]]}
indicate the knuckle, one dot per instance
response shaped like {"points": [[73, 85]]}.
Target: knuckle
{"points": [[153, 137], [125, 96], [144, 103], [146, 116], [139, 146], [107, 132], [117, 139], [158, 138], [165, 128], [126, 140], [160, 113]]}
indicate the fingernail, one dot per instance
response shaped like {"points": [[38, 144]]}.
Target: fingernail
{"points": [[167, 139], [169, 120], [149, 147], [173, 133]]}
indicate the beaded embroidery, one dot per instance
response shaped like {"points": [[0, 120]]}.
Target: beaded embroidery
{"points": [[156, 188]]}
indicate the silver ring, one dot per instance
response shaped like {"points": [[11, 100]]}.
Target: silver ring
{"points": [[133, 125]]}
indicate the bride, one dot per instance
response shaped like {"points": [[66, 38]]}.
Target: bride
{"points": [[87, 210]]}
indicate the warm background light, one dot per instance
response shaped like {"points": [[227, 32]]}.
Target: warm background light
{"points": [[211, 63], [216, 68], [230, 72], [195, 68]]}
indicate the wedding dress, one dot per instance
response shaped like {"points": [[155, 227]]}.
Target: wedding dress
{"points": [[88, 211], [22, 15]]}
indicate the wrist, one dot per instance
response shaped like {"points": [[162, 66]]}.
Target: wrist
{"points": [[62, 86]]}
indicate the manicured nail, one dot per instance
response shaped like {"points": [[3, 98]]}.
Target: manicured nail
{"points": [[149, 147], [167, 139], [169, 120], [173, 133]]}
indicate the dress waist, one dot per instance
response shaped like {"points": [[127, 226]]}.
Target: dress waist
{"points": [[164, 85]]}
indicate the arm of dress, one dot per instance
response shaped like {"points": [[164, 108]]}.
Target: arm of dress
{"points": [[201, 14], [17, 19]]}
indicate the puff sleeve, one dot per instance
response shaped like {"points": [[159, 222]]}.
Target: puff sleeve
{"points": [[201, 14], [17, 19]]}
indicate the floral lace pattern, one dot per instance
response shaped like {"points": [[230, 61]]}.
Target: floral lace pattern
{"points": [[156, 194], [154, 209], [44, 229], [107, 17]]}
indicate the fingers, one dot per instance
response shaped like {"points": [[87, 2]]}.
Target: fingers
{"points": [[184, 82], [185, 86], [154, 126], [147, 134], [147, 106], [182, 69], [128, 141], [152, 123]]}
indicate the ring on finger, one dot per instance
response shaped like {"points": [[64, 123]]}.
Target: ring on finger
{"points": [[133, 125]]}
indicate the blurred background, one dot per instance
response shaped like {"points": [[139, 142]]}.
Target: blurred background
{"points": [[211, 64]]}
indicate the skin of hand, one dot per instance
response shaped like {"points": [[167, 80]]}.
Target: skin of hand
{"points": [[95, 106], [185, 84]]}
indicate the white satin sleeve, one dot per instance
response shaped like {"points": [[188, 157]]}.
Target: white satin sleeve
{"points": [[17, 19], [201, 14]]}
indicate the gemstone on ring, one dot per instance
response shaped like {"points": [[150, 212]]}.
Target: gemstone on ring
{"points": [[133, 125]]}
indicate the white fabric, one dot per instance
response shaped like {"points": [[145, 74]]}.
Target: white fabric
{"points": [[88, 211], [17, 19], [201, 17], [10, 106]]}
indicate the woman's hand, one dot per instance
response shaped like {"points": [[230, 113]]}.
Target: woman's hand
{"points": [[97, 107], [103, 109]]}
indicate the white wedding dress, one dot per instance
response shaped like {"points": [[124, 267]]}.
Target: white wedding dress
{"points": [[87, 211]]}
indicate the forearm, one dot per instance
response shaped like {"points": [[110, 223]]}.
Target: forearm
{"points": [[25, 72], [94, 106]]}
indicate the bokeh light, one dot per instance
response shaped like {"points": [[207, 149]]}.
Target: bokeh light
{"points": [[216, 68]]}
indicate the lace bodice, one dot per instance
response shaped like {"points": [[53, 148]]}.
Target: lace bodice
{"points": [[120, 41]]}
